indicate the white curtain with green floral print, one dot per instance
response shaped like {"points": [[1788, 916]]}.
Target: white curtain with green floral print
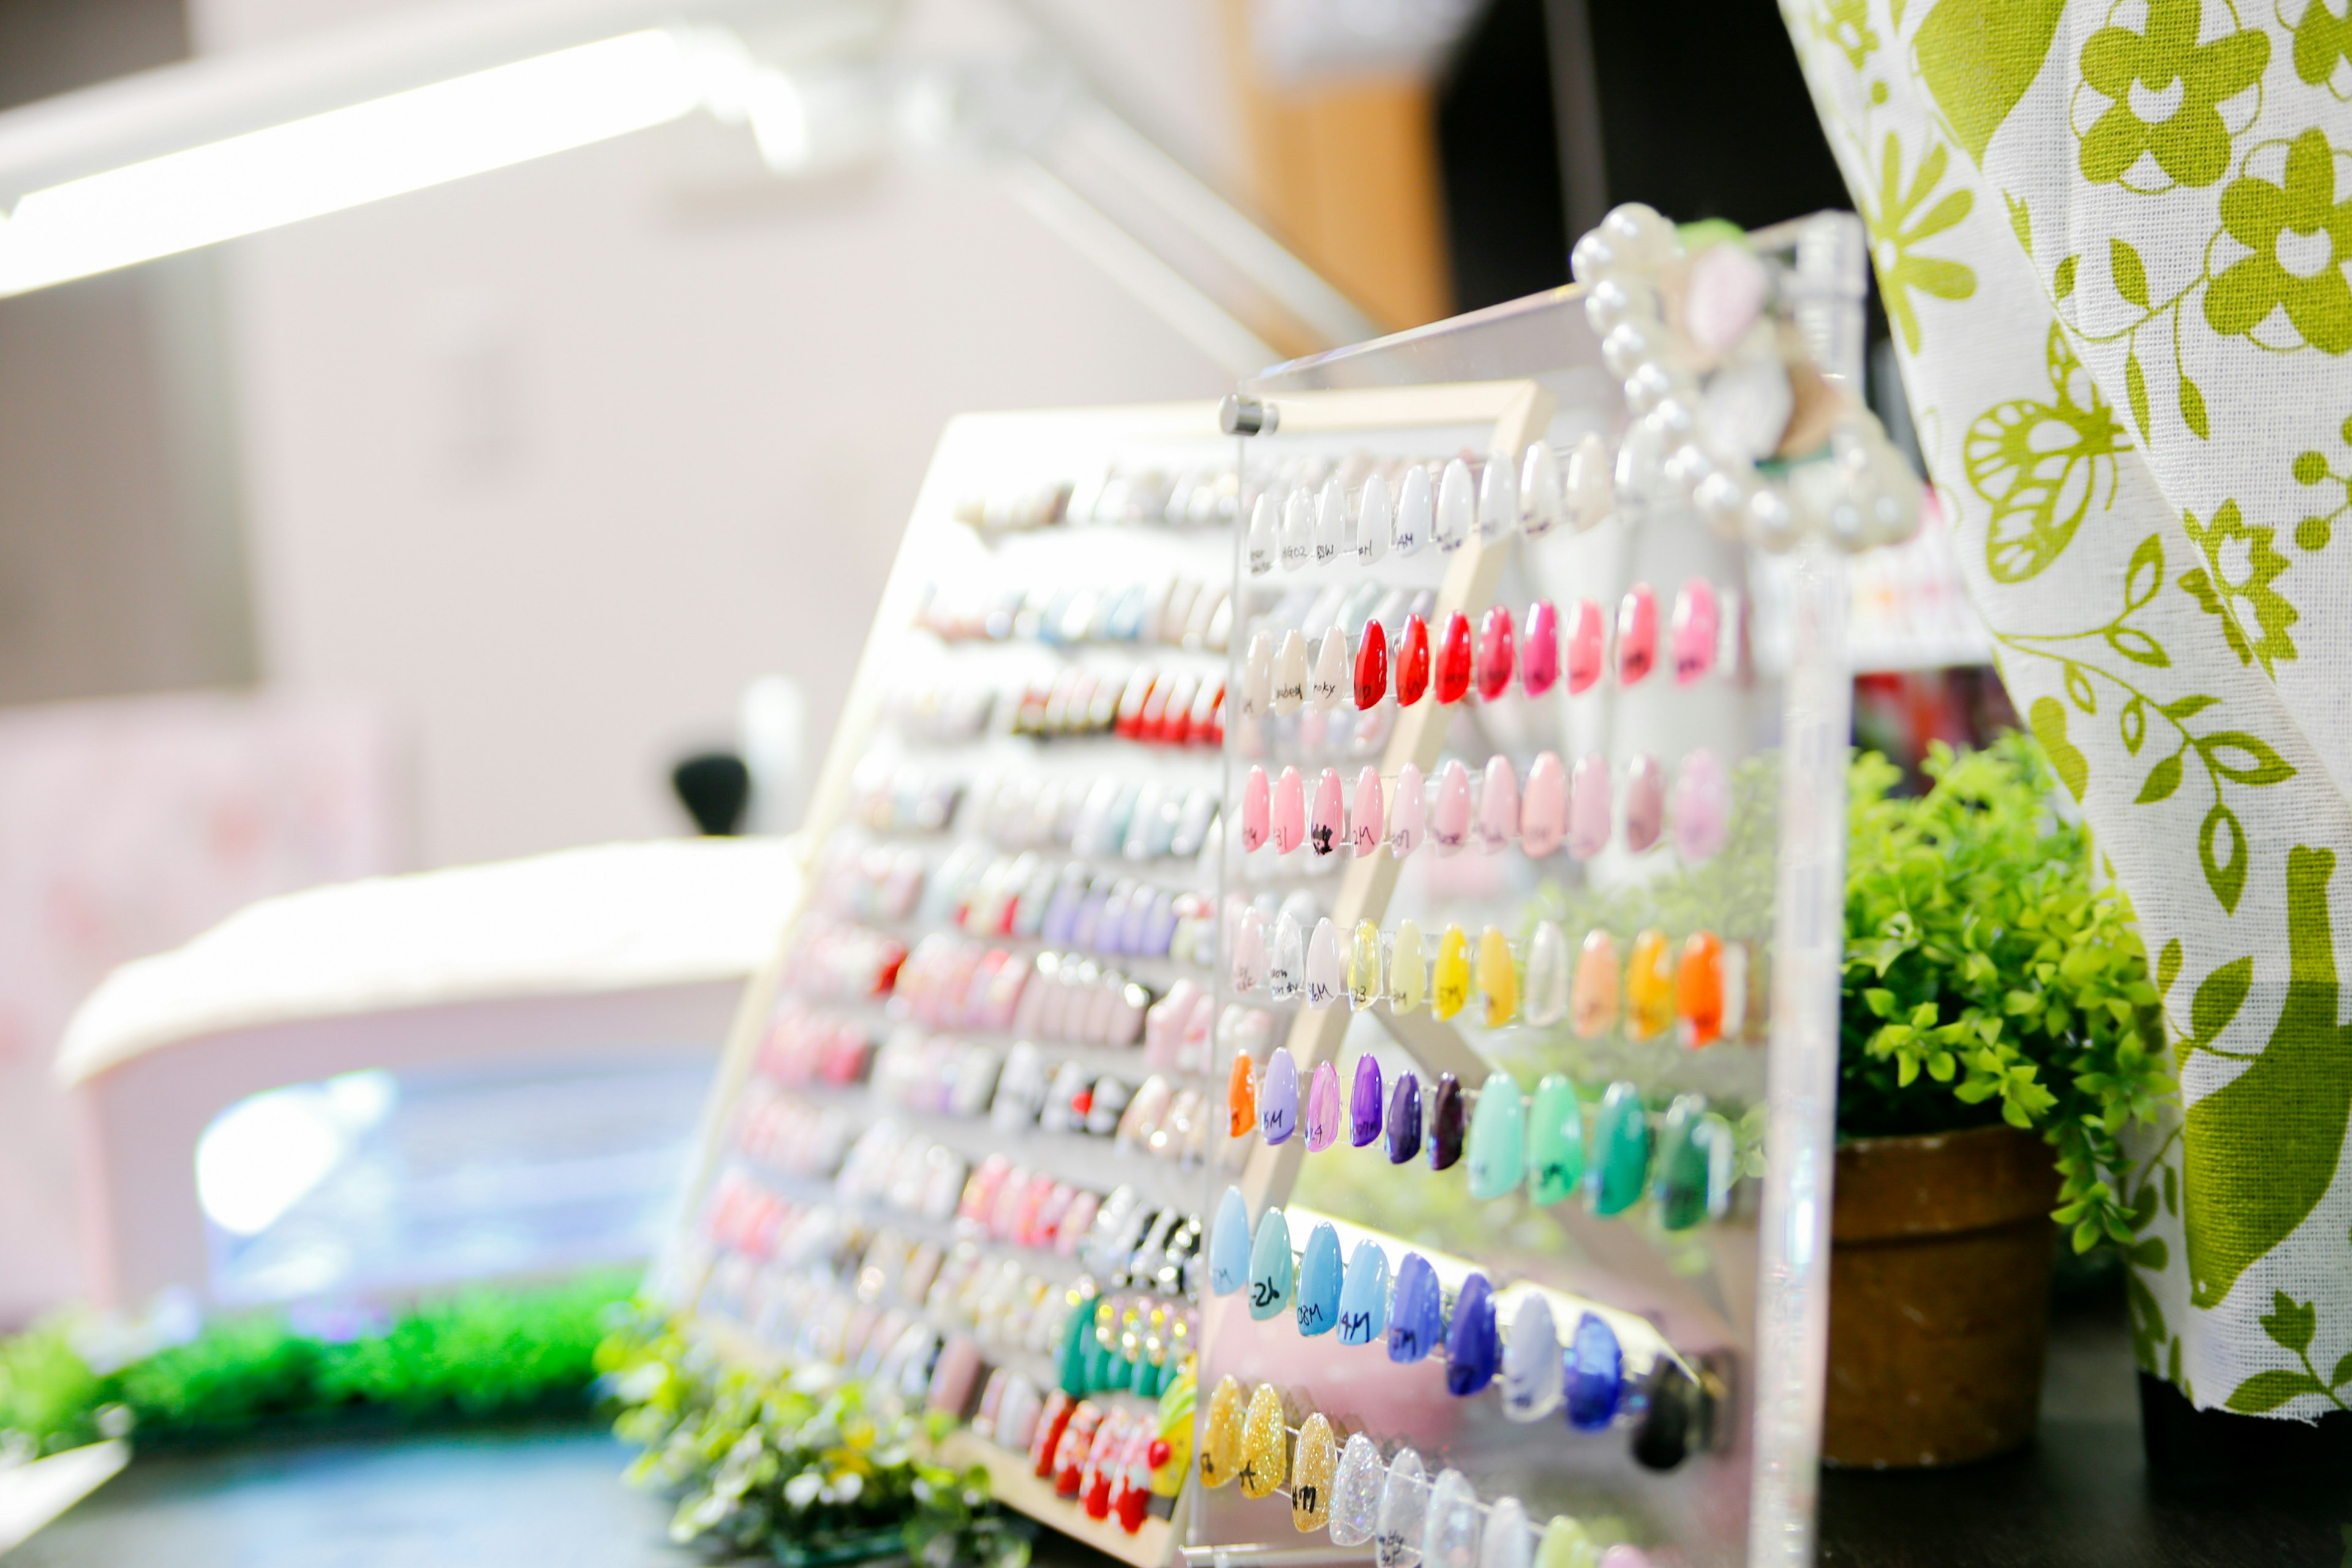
{"points": [[2113, 236]]}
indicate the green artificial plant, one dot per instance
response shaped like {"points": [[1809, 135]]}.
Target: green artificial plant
{"points": [[1987, 979]]}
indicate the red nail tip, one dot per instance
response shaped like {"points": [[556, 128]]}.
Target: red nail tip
{"points": [[1540, 649], [1412, 663], [1373, 667], [1454, 660]]}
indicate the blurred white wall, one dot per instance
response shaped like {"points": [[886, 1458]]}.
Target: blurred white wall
{"points": [[556, 460]]}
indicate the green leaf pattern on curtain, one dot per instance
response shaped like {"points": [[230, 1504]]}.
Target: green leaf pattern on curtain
{"points": [[2114, 241]]}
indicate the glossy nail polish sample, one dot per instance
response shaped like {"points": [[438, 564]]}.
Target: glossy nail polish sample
{"points": [[1277, 1095], [1507, 1542], [1545, 999], [1326, 973], [1498, 1131], [1662, 1432], [1539, 650], [1450, 1533], [1408, 969], [1373, 667], [1298, 530], [1264, 542], [1364, 1297], [1356, 1492], [1637, 634], [1449, 821], [1229, 1245], [1258, 809], [1413, 662], [1324, 1112], [1645, 802], [1565, 1543], [1240, 1096], [1327, 823], [1532, 1363], [1312, 1467], [1595, 1374], [1288, 811], [1698, 989], [1587, 647], [1543, 807], [1498, 806], [1696, 629], [1375, 520], [1250, 957], [1417, 1315], [1404, 1512], [1221, 1434], [1285, 971], [1555, 1140], [1449, 979], [1649, 985], [1474, 1351], [1592, 1001], [1678, 1178], [1367, 1105], [1331, 684], [1618, 1166], [1408, 812], [1541, 503], [1271, 1266], [1447, 1126], [1498, 979], [1334, 531], [1455, 659], [1457, 505], [1290, 667], [1257, 676], [1416, 510], [1320, 1276], [1265, 1445], [1367, 815], [1497, 656], [1588, 808], [1701, 806], [1498, 501], [1405, 1118], [1737, 997], [1364, 966]]}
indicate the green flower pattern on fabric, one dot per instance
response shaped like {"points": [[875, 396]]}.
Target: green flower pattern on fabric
{"points": [[1897, 228], [2042, 466], [2323, 49], [2298, 238], [2166, 89], [2235, 585]]}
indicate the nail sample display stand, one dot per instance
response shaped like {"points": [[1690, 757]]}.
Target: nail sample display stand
{"points": [[1681, 1260]]}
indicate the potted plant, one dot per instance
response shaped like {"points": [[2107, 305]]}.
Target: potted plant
{"points": [[1999, 1029]]}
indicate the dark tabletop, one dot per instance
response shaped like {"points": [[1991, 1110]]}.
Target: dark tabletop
{"points": [[2081, 1497]]}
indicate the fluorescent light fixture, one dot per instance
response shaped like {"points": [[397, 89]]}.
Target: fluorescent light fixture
{"points": [[348, 157]]}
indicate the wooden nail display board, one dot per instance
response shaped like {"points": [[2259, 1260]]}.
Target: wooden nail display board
{"points": [[1696, 1297]]}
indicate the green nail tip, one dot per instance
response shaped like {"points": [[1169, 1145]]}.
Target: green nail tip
{"points": [[1621, 1151], [1499, 1136], [1679, 1189], [1555, 1140]]}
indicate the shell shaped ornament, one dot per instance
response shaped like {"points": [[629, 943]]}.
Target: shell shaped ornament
{"points": [[1729, 415]]}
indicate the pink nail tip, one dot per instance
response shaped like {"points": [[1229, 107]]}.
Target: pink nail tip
{"points": [[1498, 806], [1327, 825], [1449, 825], [1540, 649], [1587, 637], [1258, 809], [1695, 627], [1497, 653], [1637, 634], [1289, 810], [1645, 802], [1701, 806], [1543, 807], [1408, 812], [1369, 816], [1587, 806]]}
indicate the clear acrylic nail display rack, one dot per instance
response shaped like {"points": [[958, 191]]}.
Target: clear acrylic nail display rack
{"points": [[976, 1124]]}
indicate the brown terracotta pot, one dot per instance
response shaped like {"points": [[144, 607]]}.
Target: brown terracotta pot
{"points": [[1939, 1297]]}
